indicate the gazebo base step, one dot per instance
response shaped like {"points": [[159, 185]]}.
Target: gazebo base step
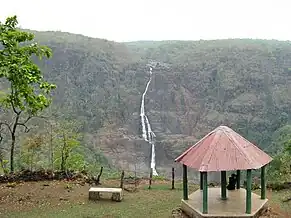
{"points": [[234, 206]]}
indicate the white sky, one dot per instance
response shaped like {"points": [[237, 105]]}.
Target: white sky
{"points": [[130, 20]]}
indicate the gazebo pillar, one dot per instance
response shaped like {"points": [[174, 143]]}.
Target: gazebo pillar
{"points": [[263, 182], [201, 181], [205, 193], [185, 183], [249, 192], [223, 185], [238, 179]]}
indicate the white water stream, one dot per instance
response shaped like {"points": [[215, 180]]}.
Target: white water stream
{"points": [[147, 132]]}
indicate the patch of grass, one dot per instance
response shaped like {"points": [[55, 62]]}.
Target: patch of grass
{"points": [[158, 202], [155, 203], [167, 187], [68, 186], [277, 197], [276, 201], [159, 178], [160, 187]]}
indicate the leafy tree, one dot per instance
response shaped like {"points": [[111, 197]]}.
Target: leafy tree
{"points": [[68, 153], [3, 163], [32, 145], [281, 139], [287, 145], [279, 170], [28, 92]]}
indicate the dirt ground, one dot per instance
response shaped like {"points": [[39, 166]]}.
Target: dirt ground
{"points": [[19, 199], [24, 196]]}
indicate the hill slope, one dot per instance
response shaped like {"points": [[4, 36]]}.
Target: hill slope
{"points": [[245, 84]]}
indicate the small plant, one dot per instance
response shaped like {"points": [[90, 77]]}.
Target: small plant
{"points": [[68, 187], [11, 184], [159, 178], [3, 164]]}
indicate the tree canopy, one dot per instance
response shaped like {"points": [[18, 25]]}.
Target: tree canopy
{"points": [[27, 92]]}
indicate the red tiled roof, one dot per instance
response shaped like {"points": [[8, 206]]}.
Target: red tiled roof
{"points": [[223, 150]]}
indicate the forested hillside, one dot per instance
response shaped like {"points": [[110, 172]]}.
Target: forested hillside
{"points": [[197, 85]]}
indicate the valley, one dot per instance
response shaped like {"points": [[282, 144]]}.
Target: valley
{"points": [[197, 86]]}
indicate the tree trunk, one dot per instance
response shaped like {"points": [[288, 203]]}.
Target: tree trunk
{"points": [[99, 177], [173, 178], [63, 163], [51, 148], [32, 158], [13, 139], [2, 163], [151, 178], [122, 179], [12, 152]]}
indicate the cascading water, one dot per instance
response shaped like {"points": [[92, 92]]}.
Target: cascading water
{"points": [[147, 132]]}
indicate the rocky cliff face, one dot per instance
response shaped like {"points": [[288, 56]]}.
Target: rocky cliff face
{"points": [[197, 86]]}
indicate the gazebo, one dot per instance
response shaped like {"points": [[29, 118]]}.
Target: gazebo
{"points": [[223, 150]]}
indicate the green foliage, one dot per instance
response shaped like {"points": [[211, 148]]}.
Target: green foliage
{"points": [[63, 144], [68, 186], [76, 161], [67, 143], [3, 165], [287, 147], [27, 92], [196, 86], [30, 149], [280, 140], [159, 178], [279, 170], [17, 67], [95, 159]]}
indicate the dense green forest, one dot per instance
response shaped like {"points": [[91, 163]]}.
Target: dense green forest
{"points": [[197, 86]]}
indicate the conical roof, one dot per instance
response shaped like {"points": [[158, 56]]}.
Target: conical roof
{"points": [[223, 150]]}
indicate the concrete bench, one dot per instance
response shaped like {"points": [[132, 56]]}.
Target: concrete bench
{"points": [[94, 193]]}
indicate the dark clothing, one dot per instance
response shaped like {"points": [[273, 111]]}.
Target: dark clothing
{"points": [[232, 182]]}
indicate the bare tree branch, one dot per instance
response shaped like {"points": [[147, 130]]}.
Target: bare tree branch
{"points": [[26, 130], [28, 118], [14, 109], [1, 137], [12, 104], [42, 117]]}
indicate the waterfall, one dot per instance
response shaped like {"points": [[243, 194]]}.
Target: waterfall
{"points": [[147, 133]]}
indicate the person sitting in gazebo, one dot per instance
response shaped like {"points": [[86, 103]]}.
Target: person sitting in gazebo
{"points": [[232, 182]]}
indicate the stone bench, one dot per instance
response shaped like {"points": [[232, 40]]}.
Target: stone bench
{"points": [[94, 193]]}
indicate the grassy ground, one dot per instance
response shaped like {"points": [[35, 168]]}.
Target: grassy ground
{"points": [[283, 209], [63, 199]]}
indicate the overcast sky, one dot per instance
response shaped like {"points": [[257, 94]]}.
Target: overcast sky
{"points": [[130, 20]]}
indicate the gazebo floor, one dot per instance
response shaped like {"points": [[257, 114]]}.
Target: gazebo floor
{"points": [[234, 206]]}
